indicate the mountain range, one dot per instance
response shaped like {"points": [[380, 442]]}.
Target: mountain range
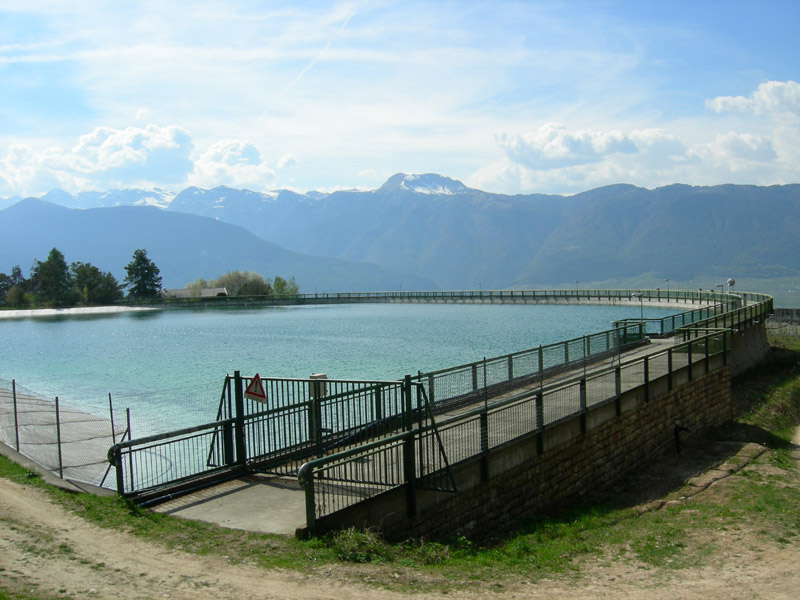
{"points": [[421, 231]]}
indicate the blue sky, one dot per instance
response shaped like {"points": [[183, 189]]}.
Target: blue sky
{"points": [[513, 97]]}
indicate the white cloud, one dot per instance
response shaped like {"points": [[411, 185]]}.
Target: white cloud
{"points": [[158, 154], [776, 98], [557, 160], [106, 158], [287, 160], [232, 162], [739, 151], [553, 146]]}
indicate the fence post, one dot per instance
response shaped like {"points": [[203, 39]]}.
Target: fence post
{"points": [[689, 346], [16, 420], [311, 509], [725, 348], [541, 362], [316, 415], [582, 392], [474, 377], [707, 360], [669, 370], [510, 368], [130, 454], [646, 379], [58, 437], [539, 422], [111, 416], [409, 454], [484, 445], [241, 446], [378, 404], [618, 390]]}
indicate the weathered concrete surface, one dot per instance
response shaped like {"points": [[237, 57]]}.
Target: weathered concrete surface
{"points": [[263, 503]]}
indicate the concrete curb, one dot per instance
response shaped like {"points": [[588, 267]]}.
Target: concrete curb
{"points": [[68, 485]]}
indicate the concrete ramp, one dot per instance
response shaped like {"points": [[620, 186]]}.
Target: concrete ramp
{"points": [[262, 503]]}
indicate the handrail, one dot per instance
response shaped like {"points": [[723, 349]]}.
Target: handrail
{"points": [[578, 349], [701, 296], [119, 446], [734, 310], [550, 388]]}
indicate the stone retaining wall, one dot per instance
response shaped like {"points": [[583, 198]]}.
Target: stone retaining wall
{"points": [[566, 462]]}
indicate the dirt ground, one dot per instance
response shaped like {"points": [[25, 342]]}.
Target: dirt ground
{"points": [[45, 548]]}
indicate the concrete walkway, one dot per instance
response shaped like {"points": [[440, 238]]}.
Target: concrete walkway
{"points": [[271, 504], [263, 503]]}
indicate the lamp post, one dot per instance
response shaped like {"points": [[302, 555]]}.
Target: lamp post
{"points": [[667, 280]]}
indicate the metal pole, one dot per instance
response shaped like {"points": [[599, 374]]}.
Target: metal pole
{"points": [[130, 453], [58, 436], [241, 449], [111, 416], [16, 421]]}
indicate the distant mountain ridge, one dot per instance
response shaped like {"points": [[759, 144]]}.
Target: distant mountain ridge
{"points": [[184, 247], [438, 229]]}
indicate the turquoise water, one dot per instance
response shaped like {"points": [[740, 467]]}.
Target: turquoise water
{"points": [[83, 359]]}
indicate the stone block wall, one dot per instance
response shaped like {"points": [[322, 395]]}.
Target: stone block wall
{"points": [[533, 475], [590, 461]]}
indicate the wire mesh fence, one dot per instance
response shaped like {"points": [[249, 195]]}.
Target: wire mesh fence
{"points": [[64, 439]]}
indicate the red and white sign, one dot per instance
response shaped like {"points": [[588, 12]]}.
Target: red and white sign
{"points": [[255, 390]]}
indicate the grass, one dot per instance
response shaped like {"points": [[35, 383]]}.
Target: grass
{"points": [[762, 496]]}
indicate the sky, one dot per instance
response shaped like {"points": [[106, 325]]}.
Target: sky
{"points": [[509, 97]]}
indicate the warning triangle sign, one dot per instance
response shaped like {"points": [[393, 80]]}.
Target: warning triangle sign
{"points": [[255, 390]]}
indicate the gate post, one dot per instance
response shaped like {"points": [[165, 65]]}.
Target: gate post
{"points": [[409, 454], [241, 446]]}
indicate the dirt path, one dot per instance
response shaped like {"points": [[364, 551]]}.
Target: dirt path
{"points": [[45, 548]]}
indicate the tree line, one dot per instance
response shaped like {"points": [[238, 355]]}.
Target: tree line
{"points": [[246, 283], [54, 283]]}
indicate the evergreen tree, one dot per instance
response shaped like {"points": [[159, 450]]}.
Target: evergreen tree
{"points": [[17, 278], [93, 286], [143, 277], [51, 279], [5, 285]]}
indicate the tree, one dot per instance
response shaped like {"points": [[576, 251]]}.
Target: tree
{"points": [[17, 297], [196, 287], [281, 287], [143, 277], [17, 278], [242, 283], [51, 279], [5, 285], [93, 286]]}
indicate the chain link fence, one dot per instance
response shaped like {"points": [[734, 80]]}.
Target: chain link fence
{"points": [[68, 440]]}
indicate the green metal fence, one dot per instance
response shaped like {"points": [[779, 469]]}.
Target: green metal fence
{"points": [[474, 433]]}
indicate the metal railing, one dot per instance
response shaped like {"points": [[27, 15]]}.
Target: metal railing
{"points": [[489, 296], [302, 419], [297, 419], [481, 430]]}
